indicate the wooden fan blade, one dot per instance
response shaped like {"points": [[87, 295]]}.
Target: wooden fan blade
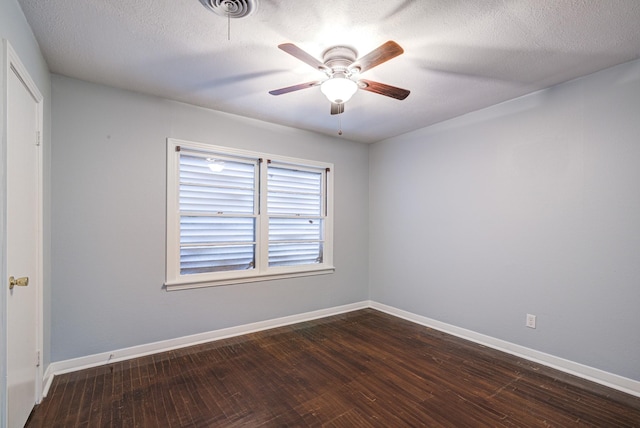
{"points": [[382, 89], [337, 108], [294, 88], [377, 56], [295, 51]]}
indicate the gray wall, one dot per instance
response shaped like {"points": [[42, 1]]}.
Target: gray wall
{"points": [[530, 206], [15, 29], [108, 222]]}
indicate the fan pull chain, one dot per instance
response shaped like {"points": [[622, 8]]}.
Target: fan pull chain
{"points": [[339, 124], [228, 6]]}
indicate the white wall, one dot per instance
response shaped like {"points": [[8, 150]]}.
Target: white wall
{"points": [[530, 206], [108, 222]]}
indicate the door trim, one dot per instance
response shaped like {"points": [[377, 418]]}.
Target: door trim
{"points": [[11, 64]]}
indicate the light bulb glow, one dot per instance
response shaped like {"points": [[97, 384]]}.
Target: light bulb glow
{"points": [[339, 89], [215, 165]]}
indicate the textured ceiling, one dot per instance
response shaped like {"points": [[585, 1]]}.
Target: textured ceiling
{"points": [[459, 56]]}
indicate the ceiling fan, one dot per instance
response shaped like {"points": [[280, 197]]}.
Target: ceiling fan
{"points": [[343, 69]]}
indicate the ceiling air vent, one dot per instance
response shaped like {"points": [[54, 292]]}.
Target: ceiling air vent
{"points": [[231, 8]]}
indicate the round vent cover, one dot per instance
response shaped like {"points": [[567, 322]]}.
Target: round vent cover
{"points": [[231, 8]]}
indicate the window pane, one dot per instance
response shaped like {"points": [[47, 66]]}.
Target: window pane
{"points": [[214, 259], [217, 172], [288, 203], [210, 230], [294, 192], [209, 184], [288, 229], [288, 179], [291, 254], [216, 199]]}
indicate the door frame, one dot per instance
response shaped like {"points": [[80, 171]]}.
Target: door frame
{"points": [[11, 64]]}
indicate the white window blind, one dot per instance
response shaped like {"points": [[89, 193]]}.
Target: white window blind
{"points": [[296, 215], [232, 217], [217, 213]]}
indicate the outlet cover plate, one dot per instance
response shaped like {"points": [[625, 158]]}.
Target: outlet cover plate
{"points": [[531, 321]]}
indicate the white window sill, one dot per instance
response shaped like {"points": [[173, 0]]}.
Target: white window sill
{"points": [[190, 283]]}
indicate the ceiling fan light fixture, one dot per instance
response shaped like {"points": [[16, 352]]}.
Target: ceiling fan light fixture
{"points": [[338, 89]]}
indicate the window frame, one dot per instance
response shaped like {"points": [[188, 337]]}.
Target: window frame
{"points": [[174, 280]]}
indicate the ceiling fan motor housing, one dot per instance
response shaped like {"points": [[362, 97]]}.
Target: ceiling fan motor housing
{"points": [[338, 59]]}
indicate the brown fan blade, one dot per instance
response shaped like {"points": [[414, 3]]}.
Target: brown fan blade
{"points": [[382, 89], [377, 56], [295, 51], [294, 88], [337, 108]]}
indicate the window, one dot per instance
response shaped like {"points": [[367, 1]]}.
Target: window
{"points": [[238, 216]]}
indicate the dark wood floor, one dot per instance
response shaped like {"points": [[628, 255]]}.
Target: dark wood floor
{"points": [[360, 369]]}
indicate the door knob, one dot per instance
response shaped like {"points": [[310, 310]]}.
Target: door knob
{"points": [[20, 282]]}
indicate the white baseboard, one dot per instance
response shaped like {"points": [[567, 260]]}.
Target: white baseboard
{"points": [[67, 366], [611, 380], [620, 383]]}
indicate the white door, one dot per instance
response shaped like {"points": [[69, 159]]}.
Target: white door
{"points": [[23, 245]]}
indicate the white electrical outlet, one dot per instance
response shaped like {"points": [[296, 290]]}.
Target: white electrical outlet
{"points": [[531, 321]]}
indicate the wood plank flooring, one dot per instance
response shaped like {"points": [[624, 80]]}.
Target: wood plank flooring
{"points": [[361, 369]]}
